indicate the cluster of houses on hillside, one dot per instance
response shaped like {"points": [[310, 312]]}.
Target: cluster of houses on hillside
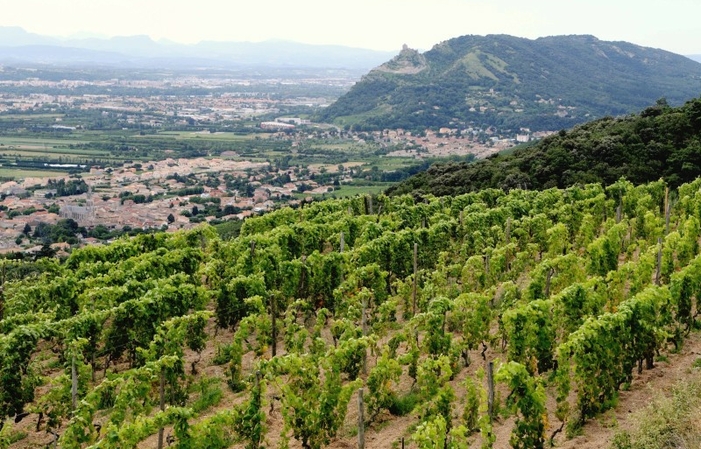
{"points": [[113, 199]]}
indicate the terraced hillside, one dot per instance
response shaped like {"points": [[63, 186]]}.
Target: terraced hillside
{"points": [[486, 319]]}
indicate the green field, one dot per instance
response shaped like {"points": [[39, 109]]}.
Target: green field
{"points": [[17, 173], [348, 190], [393, 163], [36, 141], [50, 148], [352, 190], [14, 117], [218, 136], [52, 152]]}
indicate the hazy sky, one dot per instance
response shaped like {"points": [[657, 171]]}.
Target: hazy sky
{"points": [[673, 25]]}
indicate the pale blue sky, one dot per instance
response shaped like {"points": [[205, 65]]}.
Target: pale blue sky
{"points": [[379, 24]]}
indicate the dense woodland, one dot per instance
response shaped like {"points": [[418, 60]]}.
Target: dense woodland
{"points": [[458, 312], [660, 142]]}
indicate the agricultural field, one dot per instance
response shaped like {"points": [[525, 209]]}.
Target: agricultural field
{"points": [[350, 190], [207, 135], [488, 319], [109, 125], [20, 173], [30, 153]]}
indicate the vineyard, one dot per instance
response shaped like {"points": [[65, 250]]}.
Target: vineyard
{"points": [[454, 316]]}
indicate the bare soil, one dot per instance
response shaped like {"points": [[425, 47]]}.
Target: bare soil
{"points": [[387, 432]]}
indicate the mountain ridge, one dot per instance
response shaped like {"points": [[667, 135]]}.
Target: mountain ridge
{"points": [[508, 82], [141, 50]]}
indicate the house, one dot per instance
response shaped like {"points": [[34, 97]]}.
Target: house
{"points": [[276, 125]]}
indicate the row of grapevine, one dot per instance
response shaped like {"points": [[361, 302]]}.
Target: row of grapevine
{"points": [[574, 289]]}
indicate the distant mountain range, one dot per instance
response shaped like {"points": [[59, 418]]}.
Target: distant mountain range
{"points": [[19, 46], [510, 83]]}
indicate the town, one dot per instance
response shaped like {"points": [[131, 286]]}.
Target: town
{"points": [[222, 177]]}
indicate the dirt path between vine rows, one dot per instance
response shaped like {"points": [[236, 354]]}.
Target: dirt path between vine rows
{"points": [[599, 432]]}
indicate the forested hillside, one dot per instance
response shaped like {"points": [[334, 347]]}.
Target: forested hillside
{"points": [[660, 142], [556, 298], [510, 83]]}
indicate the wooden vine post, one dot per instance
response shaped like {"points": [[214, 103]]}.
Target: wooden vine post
{"points": [[413, 291], [548, 278], [364, 327], [74, 385], [303, 277], [507, 241], [92, 365], [667, 208], [658, 273], [162, 404], [343, 247], [273, 319], [490, 391], [2, 292], [361, 420]]}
